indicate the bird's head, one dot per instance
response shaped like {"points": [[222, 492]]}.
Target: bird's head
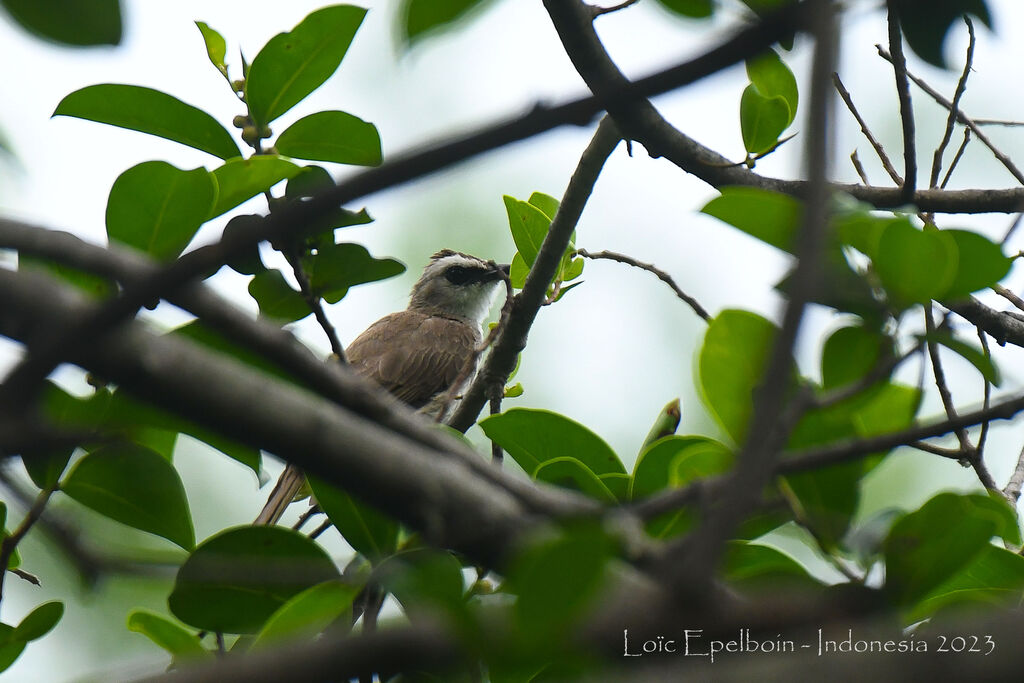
{"points": [[457, 284]]}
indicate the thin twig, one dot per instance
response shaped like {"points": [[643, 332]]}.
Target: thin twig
{"points": [[10, 543], [660, 274], [899, 64], [961, 87], [1008, 295], [599, 11], [875, 144], [961, 118], [1013, 228], [966, 448], [987, 398], [949, 453], [1013, 487], [327, 524], [306, 516], [315, 303], [956, 158], [859, 167]]}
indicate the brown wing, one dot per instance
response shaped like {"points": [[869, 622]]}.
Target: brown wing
{"points": [[413, 355]]}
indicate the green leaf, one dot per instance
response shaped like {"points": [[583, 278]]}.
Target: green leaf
{"points": [[995, 578], [762, 120], [618, 483], [760, 567], [307, 613], [307, 182], [72, 22], [337, 267], [157, 208], [980, 263], [276, 297], [234, 581], [927, 547], [546, 203], [294, 64], [915, 266], [182, 644], [692, 9], [772, 78], [971, 354], [135, 486], [93, 285], [665, 424], [556, 579], [732, 361], [39, 621], [420, 17], [15, 560], [149, 111], [367, 530], [332, 136], [850, 353], [216, 47], [570, 473], [771, 217], [240, 179], [925, 24], [533, 437], [425, 580], [248, 262], [45, 469], [653, 467], [10, 648], [529, 226], [518, 271]]}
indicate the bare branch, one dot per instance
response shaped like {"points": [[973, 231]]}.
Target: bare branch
{"points": [[899, 64], [956, 158], [961, 86], [660, 274], [875, 144]]}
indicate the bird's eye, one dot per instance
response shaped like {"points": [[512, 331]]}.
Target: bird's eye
{"points": [[458, 275]]}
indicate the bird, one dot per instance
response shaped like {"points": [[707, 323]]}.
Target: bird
{"points": [[421, 355]]}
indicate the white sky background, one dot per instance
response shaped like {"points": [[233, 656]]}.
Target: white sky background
{"points": [[615, 350]]}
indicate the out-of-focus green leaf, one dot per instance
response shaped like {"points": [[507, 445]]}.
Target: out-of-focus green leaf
{"points": [[425, 580], [150, 111], [135, 486], [925, 24], [72, 22], [771, 217], [157, 208], [337, 267], [691, 9], [980, 263], [294, 64], [240, 179], [10, 648], [182, 644], [419, 18], [307, 613], [234, 581], [367, 530], [994, 578], [276, 297], [850, 353], [568, 472], [760, 567], [332, 136], [533, 437], [39, 621], [915, 266]]}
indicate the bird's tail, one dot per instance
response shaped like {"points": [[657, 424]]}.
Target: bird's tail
{"points": [[288, 484]]}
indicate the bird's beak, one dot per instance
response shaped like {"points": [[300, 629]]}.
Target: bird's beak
{"points": [[505, 268]]}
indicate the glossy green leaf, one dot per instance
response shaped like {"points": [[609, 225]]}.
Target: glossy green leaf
{"points": [[518, 271], [771, 217], [772, 78], [181, 643], [653, 466], [248, 262], [529, 226], [234, 581], [216, 46], [39, 621], [980, 263], [972, 354], [732, 361], [157, 208], [762, 120], [925, 24], [149, 111], [135, 486], [570, 473], [850, 353], [927, 547], [71, 22], [332, 136], [533, 437], [337, 267], [691, 9], [307, 613], [294, 64], [994, 578], [618, 483], [276, 298], [419, 18], [241, 179], [367, 530], [915, 266]]}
